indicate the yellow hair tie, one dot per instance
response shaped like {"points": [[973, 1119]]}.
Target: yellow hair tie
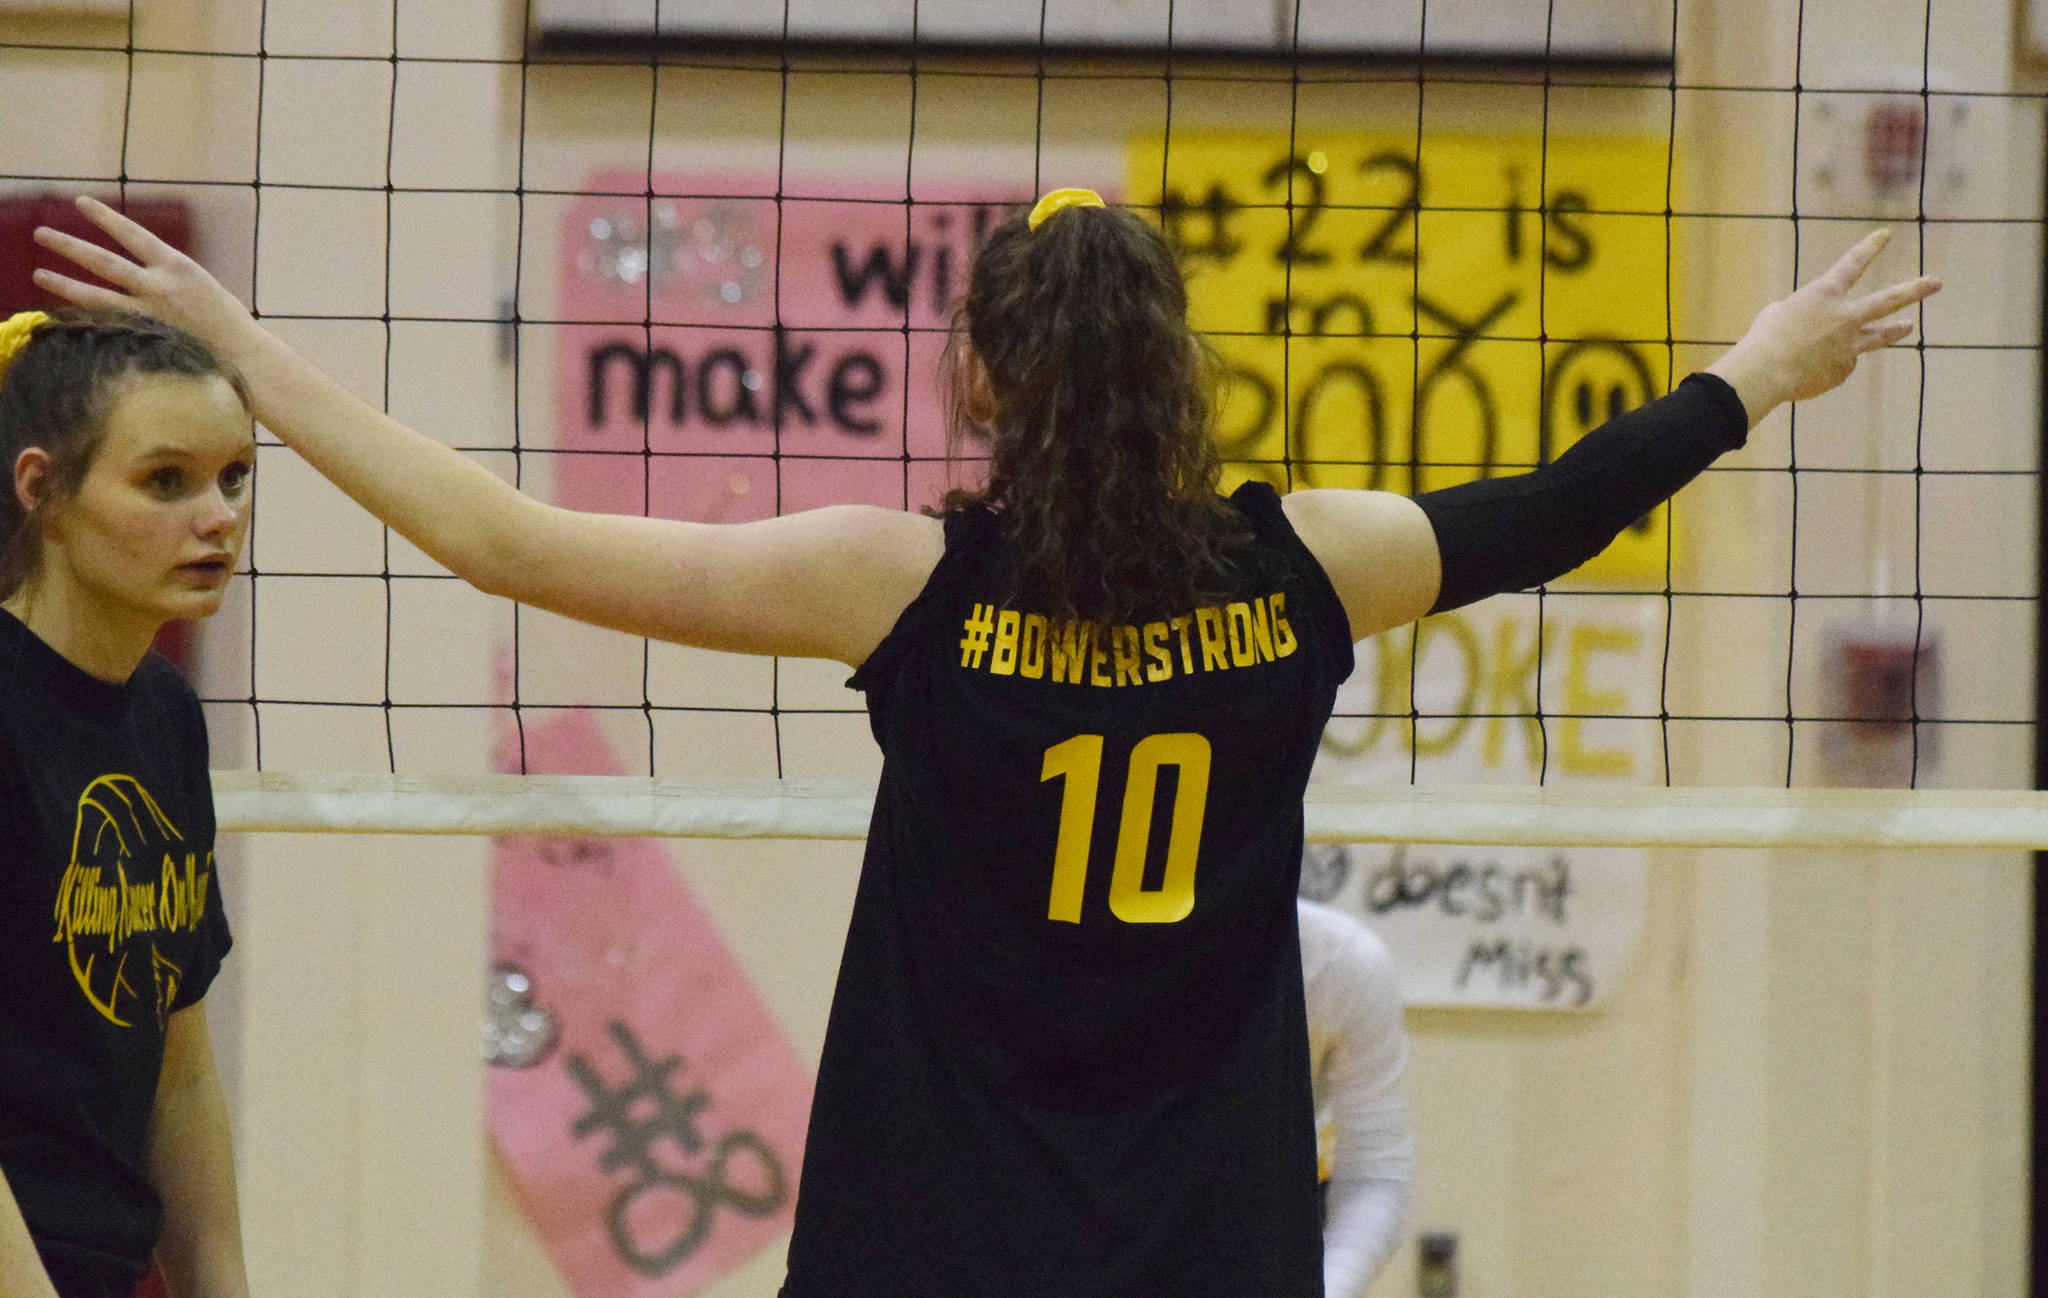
{"points": [[1059, 200], [15, 331]]}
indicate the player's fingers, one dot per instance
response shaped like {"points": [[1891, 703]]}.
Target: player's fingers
{"points": [[108, 265], [1875, 336], [1849, 267], [80, 293], [140, 243], [1899, 296]]}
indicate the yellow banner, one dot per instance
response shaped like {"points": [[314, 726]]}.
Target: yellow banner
{"points": [[1407, 324]]}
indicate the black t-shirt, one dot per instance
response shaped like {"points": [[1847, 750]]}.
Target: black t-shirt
{"points": [[1068, 1055], [110, 921]]}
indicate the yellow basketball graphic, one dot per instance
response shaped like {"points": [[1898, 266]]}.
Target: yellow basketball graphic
{"points": [[130, 878]]}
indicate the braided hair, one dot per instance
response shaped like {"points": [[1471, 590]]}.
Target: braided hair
{"points": [[56, 394]]}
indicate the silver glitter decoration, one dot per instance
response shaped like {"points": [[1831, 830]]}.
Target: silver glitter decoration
{"points": [[516, 1032], [1325, 867], [703, 248]]}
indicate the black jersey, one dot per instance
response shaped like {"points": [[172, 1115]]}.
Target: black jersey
{"points": [[1067, 1054], [110, 921]]}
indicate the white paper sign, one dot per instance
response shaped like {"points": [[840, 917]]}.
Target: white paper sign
{"points": [[1529, 928]]}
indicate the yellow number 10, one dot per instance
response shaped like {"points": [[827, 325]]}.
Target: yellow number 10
{"points": [[1079, 762]]}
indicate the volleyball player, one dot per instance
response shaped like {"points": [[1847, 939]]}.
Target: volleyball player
{"points": [[130, 454], [1067, 1053], [1358, 1051]]}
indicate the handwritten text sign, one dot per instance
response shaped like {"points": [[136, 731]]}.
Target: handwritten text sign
{"points": [[1454, 700], [1406, 321], [753, 356], [654, 1144]]}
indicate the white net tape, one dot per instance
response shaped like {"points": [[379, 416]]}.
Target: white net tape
{"points": [[278, 802]]}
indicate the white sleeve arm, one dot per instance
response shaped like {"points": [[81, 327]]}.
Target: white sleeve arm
{"points": [[1373, 1162]]}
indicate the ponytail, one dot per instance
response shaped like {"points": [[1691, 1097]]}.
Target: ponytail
{"points": [[1102, 469]]}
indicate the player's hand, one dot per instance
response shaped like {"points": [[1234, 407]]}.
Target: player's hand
{"points": [[1806, 344], [160, 281]]}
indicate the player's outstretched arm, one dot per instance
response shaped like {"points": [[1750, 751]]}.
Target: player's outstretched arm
{"points": [[1393, 562], [829, 583]]}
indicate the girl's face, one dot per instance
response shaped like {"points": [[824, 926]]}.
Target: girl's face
{"points": [[158, 522]]}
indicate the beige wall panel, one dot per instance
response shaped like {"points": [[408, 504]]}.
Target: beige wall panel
{"points": [[302, 1099], [449, 254], [161, 141], [450, 380], [361, 28], [305, 101], [1727, 1088], [449, 127], [682, 676], [423, 1142], [361, 1117], [565, 663], [75, 132], [195, 25], [322, 252], [320, 530], [715, 745]]}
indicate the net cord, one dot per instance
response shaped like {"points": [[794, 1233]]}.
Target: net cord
{"points": [[1554, 816]]}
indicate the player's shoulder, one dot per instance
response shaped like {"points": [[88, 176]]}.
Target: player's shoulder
{"points": [[865, 549], [1377, 548], [868, 522], [1319, 512]]}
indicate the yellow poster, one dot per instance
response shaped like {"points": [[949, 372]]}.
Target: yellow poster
{"points": [[1406, 321]]}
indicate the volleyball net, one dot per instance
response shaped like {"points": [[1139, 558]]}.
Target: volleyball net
{"points": [[637, 260]]}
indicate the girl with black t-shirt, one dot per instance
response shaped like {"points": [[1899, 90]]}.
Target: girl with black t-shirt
{"points": [[1067, 1054], [129, 453]]}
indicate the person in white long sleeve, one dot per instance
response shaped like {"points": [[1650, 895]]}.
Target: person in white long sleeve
{"points": [[1358, 1050]]}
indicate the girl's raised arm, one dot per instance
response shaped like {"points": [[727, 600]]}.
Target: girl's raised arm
{"points": [[828, 583], [1393, 560]]}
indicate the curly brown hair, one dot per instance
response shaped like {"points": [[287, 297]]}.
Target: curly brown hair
{"points": [[57, 394], [1101, 465]]}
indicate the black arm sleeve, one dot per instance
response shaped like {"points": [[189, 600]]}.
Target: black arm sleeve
{"points": [[1502, 534]]}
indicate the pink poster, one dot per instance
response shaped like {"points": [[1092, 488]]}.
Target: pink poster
{"points": [[748, 358], [648, 1108], [756, 357]]}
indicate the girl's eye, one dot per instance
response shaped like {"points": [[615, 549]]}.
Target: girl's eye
{"points": [[166, 482], [235, 477]]}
